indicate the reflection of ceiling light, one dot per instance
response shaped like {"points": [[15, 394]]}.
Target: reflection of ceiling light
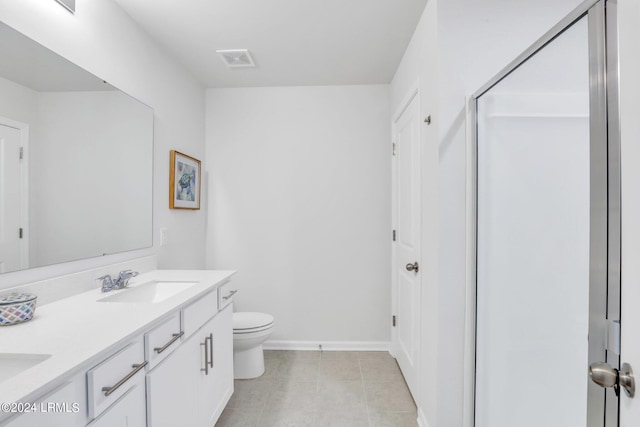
{"points": [[236, 58]]}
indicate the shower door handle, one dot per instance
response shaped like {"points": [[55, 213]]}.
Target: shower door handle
{"points": [[412, 267], [606, 376]]}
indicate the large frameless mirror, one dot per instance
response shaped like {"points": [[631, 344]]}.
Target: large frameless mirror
{"points": [[76, 161]]}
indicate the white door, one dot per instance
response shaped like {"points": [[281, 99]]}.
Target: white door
{"points": [[406, 250], [10, 199]]}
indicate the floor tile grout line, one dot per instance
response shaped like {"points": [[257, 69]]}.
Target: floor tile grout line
{"points": [[318, 375], [364, 390], [261, 413], [315, 406]]}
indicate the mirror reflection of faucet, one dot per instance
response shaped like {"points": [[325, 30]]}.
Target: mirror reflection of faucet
{"points": [[109, 284]]}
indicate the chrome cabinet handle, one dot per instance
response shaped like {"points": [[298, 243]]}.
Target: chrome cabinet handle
{"points": [[211, 349], [138, 367], [232, 293], [171, 341], [206, 356], [412, 267]]}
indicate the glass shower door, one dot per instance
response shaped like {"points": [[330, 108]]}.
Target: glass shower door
{"points": [[539, 231]]}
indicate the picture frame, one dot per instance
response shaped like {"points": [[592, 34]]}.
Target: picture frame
{"points": [[184, 181]]}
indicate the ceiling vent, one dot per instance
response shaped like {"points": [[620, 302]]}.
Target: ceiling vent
{"points": [[236, 58]]}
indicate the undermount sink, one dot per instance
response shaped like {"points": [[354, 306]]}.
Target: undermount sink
{"points": [[13, 364], [150, 292]]}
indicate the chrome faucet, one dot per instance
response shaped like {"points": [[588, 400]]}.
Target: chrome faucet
{"points": [[108, 284], [123, 278]]}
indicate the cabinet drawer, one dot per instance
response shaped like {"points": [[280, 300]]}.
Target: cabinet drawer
{"points": [[162, 340], [225, 295], [197, 314], [111, 379]]}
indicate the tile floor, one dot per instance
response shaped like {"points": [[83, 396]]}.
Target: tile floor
{"points": [[318, 389]]}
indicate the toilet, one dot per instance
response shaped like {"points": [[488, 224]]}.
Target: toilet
{"points": [[250, 330]]}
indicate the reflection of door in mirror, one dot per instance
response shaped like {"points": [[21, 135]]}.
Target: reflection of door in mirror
{"points": [[13, 245]]}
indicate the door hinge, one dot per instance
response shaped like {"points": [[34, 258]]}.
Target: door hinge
{"points": [[613, 336], [21, 153], [20, 232], [393, 149], [393, 320], [394, 235]]}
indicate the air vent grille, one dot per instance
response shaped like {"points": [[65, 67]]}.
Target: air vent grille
{"points": [[236, 58]]}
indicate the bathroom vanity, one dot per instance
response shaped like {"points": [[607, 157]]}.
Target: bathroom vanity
{"points": [[157, 353]]}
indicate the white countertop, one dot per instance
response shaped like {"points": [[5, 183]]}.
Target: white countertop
{"points": [[78, 330]]}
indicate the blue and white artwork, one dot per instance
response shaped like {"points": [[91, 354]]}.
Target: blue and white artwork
{"points": [[186, 187]]}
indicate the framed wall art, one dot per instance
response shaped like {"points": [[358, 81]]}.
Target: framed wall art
{"points": [[184, 181]]}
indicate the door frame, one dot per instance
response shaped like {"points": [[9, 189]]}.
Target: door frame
{"points": [[24, 186], [605, 200], [412, 94]]}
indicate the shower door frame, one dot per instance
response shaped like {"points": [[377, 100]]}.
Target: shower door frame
{"points": [[605, 228]]}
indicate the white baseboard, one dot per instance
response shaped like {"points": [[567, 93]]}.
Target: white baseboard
{"points": [[328, 345], [422, 420]]}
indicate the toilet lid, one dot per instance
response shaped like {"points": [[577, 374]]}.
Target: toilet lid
{"points": [[243, 321]]}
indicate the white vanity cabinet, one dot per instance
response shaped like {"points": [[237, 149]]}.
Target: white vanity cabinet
{"points": [[159, 363], [63, 407], [192, 385], [113, 388], [215, 384], [162, 340], [171, 398], [114, 376], [128, 411]]}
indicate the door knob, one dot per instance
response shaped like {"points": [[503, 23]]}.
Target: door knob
{"points": [[412, 267], [606, 376]]}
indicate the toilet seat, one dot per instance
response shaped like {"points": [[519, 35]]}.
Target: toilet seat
{"points": [[251, 322]]}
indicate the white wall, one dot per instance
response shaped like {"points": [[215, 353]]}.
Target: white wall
{"points": [[101, 38], [299, 204]]}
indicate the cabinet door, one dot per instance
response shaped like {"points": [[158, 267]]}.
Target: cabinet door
{"points": [[129, 411], [64, 407], [215, 389], [172, 388]]}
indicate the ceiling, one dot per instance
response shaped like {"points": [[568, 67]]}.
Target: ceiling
{"points": [[293, 42]]}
